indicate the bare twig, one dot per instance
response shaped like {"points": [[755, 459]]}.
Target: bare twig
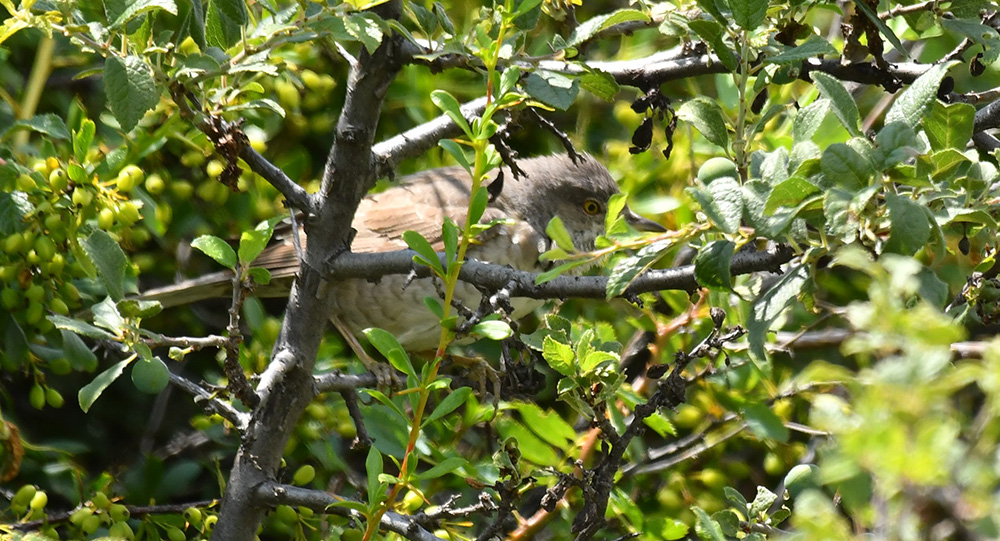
{"points": [[211, 403]]}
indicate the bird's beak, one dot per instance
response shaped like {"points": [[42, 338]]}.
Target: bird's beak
{"points": [[640, 223]]}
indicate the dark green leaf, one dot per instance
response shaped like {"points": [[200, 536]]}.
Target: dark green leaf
{"points": [[769, 306], [713, 33], [628, 268], [82, 139], [949, 126], [913, 103], [366, 29], [882, 28], [728, 521], [596, 24], [130, 88], [789, 193], [813, 47], [764, 423], [749, 14], [92, 391], [711, 265], [845, 167], [843, 103], [600, 84], [707, 529], [552, 88], [722, 202], [450, 403], [48, 124], [447, 465], [224, 20], [808, 119], [14, 206], [708, 117], [426, 255], [79, 355], [138, 7], [736, 499], [109, 260], [910, 225], [217, 249], [389, 347]]}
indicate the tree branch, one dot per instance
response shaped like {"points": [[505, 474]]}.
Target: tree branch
{"points": [[522, 283], [273, 494]]}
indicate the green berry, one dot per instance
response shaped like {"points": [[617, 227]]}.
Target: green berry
{"points": [[80, 515], [214, 168], [35, 293], [91, 524], [128, 213], [36, 397], [45, 247], [13, 243], [304, 475], [59, 367], [193, 516], [100, 500], [23, 496], [130, 177], [150, 375], [82, 197], [39, 500], [121, 530], [105, 218], [58, 180], [118, 512], [10, 298], [286, 515], [53, 398], [155, 184], [717, 167], [34, 314]]}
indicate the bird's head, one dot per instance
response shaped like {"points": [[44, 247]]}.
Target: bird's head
{"points": [[576, 192]]}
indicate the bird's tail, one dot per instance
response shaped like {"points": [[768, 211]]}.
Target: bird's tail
{"points": [[209, 286]]}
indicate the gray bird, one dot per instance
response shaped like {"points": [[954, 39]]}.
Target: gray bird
{"points": [[552, 186]]}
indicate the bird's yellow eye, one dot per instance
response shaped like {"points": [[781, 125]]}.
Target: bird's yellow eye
{"points": [[591, 206]]}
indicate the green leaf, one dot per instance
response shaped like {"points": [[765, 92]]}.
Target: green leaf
{"points": [[79, 327], [79, 355], [48, 124], [949, 126], [749, 14], [628, 268], [82, 139], [552, 88], [813, 47], [450, 106], [882, 28], [913, 103], [425, 252], [600, 84], [708, 118], [808, 119], [217, 249], [911, 227], [979, 33], [712, 33], [769, 306], [450, 403], [547, 424], [843, 103], [736, 499], [109, 260], [107, 317], [449, 235], [447, 465], [845, 167], [15, 343], [130, 88], [494, 329], [138, 7], [92, 391], [389, 347], [373, 468], [556, 231], [559, 356], [252, 243], [722, 202], [259, 275], [707, 528], [764, 423], [224, 20], [477, 206], [599, 23], [728, 521], [762, 502], [789, 193], [366, 29], [711, 265]]}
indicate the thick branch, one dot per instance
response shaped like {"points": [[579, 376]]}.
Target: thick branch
{"points": [[522, 283], [987, 117]]}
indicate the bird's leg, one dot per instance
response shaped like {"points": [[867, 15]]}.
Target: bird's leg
{"points": [[385, 376]]}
